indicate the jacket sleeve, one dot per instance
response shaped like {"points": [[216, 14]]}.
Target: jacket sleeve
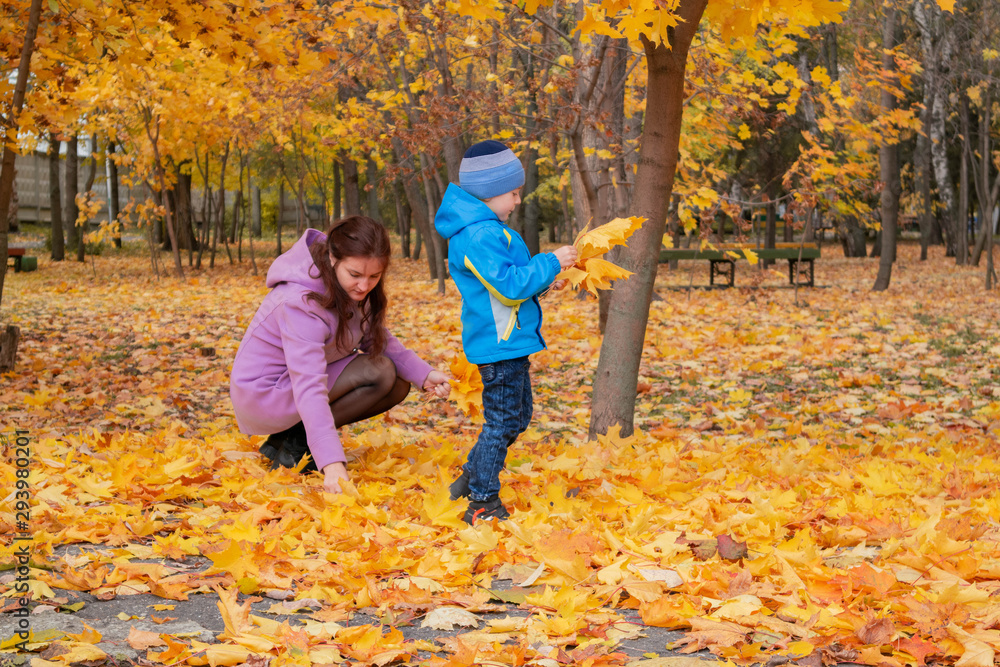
{"points": [[409, 366], [303, 335], [488, 257]]}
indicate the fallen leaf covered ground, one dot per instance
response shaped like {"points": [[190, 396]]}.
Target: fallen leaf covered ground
{"points": [[815, 476]]}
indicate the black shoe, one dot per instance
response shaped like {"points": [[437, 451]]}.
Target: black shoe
{"points": [[488, 509], [287, 448], [460, 487]]}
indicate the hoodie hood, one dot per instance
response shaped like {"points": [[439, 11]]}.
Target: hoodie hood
{"points": [[296, 265], [459, 210]]}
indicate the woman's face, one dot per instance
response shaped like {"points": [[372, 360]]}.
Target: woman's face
{"points": [[358, 275]]}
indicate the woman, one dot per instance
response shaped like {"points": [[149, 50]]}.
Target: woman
{"points": [[317, 354]]}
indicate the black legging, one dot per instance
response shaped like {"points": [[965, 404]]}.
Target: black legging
{"points": [[366, 387]]}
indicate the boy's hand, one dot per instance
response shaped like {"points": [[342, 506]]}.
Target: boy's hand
{"points": [[559, 284], [333, 473], [437, 382], [567, 256]]}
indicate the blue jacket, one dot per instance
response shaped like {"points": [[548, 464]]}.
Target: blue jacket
{"points": [[498, 278]]}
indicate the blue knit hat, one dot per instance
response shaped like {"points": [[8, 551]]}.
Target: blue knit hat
{"points": [[489, 169]]}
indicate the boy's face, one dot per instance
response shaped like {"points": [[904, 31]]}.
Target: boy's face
{"points": [[504, 205]]}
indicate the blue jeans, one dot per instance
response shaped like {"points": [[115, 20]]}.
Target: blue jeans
{"points": [[507, 408]]}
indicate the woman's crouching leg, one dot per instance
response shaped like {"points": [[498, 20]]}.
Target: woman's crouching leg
{"points": [[365, 388]]}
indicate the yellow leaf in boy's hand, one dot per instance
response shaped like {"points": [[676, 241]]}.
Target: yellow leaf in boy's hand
{"points": [[598, 274], [574, 275], [601, 239], [467, 389], [590, 271]]}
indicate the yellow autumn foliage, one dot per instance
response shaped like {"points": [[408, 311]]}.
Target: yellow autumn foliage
{"points": [[847, 440]]}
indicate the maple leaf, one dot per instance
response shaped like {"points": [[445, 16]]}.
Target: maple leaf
{"points": [[976, 653], [597, 241], [234, 615], [467, 388], [441, 510], [88, 636], [446, 618], [918, 648], [730, 549], [174, 650], [878, 631], [591, 272], [142, 640], [235, 560]]}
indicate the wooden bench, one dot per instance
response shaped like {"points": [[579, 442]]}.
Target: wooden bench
{"points": [[722, 262]]}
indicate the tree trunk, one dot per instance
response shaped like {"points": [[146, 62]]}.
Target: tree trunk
{"points": [[988, 194], [418, 210], [942, 170], [205, 228], [302, 218], [220, 210], [88, 194], [10, 139], [966, 127], [171, 217], [615, 381], [255, 219], [9, 337], [830, 51], [180, 195], [114, 195], [888, 159], [55, 201], [530, 206], [569, 222], [583, 135], [371, 176], [352, 194], [937, 44], [231, 233], [852, 237], [922, 177], [71, 189], [281, 211], [402, 217], [255, 215], [337, 196], [433, 239], [962, 252], [238, 218], [770, 227]]}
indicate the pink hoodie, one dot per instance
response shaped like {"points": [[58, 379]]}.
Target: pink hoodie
{"points": [[288, 359]]}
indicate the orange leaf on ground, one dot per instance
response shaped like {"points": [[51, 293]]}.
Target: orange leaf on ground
{"points": [[141, 640]]}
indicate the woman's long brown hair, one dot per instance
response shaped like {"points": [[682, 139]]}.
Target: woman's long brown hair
{"points": [[354, 236]]}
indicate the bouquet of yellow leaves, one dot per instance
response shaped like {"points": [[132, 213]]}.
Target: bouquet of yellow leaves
{"points": [[467, 387], [591, 271]]}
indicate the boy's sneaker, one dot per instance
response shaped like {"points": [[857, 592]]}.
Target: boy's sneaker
{"points": [[460, 487], [487, 509]]}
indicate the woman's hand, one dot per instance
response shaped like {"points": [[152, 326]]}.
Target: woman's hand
{"points": [[566, 255], [437, 382], [334, 472]]}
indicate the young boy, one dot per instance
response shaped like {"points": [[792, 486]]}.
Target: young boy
{"points": [[501, 320]]}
